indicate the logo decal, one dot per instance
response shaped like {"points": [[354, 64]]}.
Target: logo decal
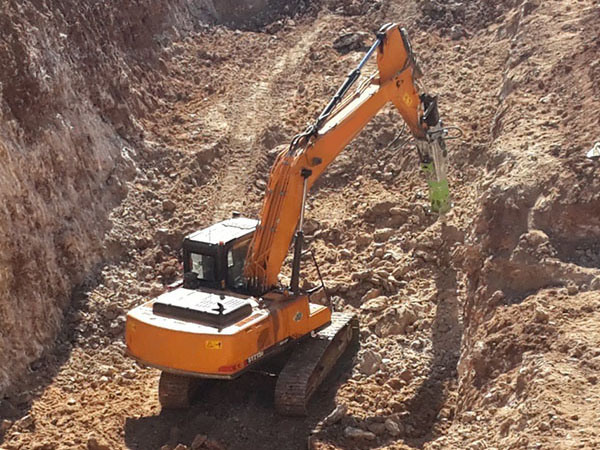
{"points": [[214, 345], [255, 357], [298, 317]]}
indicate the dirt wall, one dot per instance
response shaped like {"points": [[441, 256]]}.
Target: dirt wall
{"points": [[74, 79]]}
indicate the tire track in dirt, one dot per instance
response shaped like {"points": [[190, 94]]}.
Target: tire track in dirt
{"points": [[249, 117]]}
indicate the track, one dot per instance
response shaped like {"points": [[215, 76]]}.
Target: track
{"points": [[311, 362]]}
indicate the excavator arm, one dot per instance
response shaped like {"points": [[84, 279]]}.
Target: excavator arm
{"points": [[296, 169]]}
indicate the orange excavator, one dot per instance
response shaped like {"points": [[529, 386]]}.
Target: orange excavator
{"points": [[230, 311]]}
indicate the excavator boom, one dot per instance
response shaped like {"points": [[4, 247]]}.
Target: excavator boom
{"points": [[311, 152]]}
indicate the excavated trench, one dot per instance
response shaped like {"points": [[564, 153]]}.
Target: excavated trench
{"points": [[124, 128]]}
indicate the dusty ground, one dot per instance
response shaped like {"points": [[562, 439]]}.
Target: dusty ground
{"points": [[478, 331]]}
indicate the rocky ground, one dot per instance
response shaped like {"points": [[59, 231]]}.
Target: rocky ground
{"points": [[478, 330]]}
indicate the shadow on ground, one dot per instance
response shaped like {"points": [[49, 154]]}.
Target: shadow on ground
{"points": [[16, 404], [421, 422], [245, 405]]}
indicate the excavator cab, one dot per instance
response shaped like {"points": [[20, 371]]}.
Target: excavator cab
{"points": [[214, 257]]}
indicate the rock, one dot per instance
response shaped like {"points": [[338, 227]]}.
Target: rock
{"points": [[372, 293], [5, 425], [399, 211], [117, 326], [469, 416], [169, 205], [572, 289], [94, 444], [406, 375], [399, 272], [44, 446], [310, 226], [396, 324], [383, 234], [477, 445], [335, 416], [406, 316], [375, 304], [349, 42], [165, 236], [357, 433], [181, 447], [541, 315], [274, 27], [394, 428], [544, 426], [456, 32], [395, 383], [369, 362], [382, 209], [376, 428], [27, 422], [417, 344], [213, 445], [345, 253], [110, 313], [71, 401], [156, 289], [363, 239], [359, 276], [129, 374], [384, 274]]}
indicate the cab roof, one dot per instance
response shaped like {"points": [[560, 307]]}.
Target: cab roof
{"points": [[225, 231]]}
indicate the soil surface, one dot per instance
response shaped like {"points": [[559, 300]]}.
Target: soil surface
{"points": [[479, 330]]}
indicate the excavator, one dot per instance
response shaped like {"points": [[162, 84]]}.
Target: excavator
{"points": [[230, 311]]}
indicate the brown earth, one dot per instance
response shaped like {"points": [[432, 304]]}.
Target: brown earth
{"points": [[478, 330]]}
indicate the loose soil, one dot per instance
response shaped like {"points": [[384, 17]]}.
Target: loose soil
{"points": [[478, 330]]}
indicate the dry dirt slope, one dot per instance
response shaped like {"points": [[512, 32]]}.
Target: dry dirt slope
{"points": [[73, 79], [507, 266]]}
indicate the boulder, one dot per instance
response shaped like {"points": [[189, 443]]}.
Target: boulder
{"points": [[392, 427], [375, 304], [383, 234], [377, 428], [94, 444], [369, 362], [336, 415], [350, 41], [371, 294]]}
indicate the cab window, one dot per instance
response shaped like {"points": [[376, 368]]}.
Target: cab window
{"points": [[203, 266], [236, 258]]}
